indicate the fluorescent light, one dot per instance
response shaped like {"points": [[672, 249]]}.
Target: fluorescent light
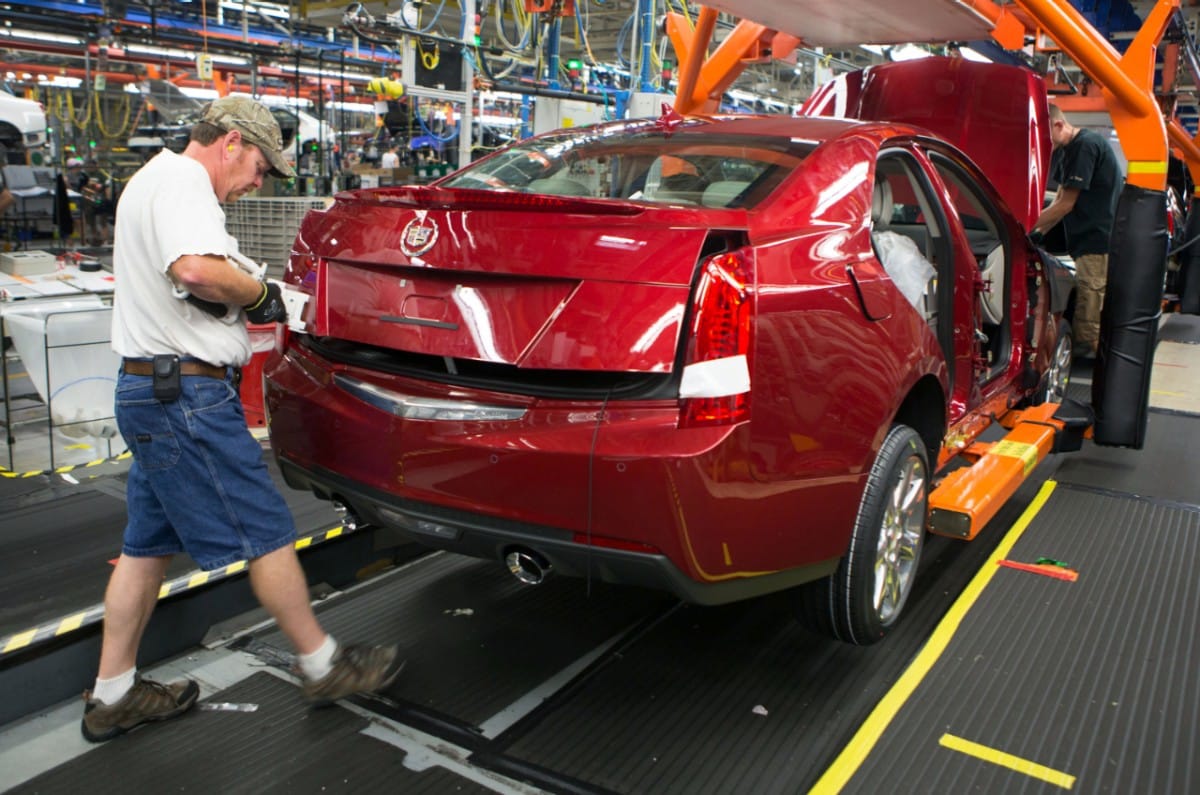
{"points": [[10, 33]]}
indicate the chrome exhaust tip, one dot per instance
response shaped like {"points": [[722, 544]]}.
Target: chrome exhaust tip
{"points": [[350, 520], [527, 566]]}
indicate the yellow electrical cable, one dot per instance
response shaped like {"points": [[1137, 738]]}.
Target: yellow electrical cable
{"points": [[100, 125], [429, 59]]}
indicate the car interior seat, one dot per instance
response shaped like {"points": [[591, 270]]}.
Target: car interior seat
{"points": [[722, 194], [558, 186], [882, 205], [992, 301], [669, 181]]}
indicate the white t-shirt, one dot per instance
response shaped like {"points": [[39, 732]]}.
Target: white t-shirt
{"points": [[168, 210], [389, 160]]}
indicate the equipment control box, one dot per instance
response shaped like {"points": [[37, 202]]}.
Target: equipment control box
{"points": [[27, 263]]}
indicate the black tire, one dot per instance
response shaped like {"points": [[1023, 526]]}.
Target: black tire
{"points": [[863, 599], [1058, 375]]}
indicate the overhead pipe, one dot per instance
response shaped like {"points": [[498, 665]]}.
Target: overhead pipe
{"points": [[692, 53], [646, 36]]}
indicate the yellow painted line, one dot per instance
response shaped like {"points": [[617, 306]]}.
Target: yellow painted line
{"points": [[301, 543], [335, 532], [197, 579], [1168, 394], [1033, 769], [864, 740], [1147, 167], [234, 568], [164, 590]]}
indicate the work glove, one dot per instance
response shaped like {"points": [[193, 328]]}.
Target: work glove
{"points": [[269, 308]]}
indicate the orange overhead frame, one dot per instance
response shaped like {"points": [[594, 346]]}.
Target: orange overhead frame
{"points": [[703, 78], [1127, 82]]}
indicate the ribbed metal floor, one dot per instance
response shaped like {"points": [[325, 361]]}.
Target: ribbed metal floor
{"points": [[282, 747], [57, 538], [1097, 679], [476, 639], [1165, 469]]}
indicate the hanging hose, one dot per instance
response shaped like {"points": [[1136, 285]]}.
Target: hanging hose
{"points": [[101, 126]]}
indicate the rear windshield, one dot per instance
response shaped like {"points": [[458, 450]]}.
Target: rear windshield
{"points": [[641, 164]]}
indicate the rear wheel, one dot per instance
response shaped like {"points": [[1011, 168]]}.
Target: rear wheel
{"points": [[862, 600]]}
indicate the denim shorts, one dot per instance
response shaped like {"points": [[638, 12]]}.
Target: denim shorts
{"points": [[198, 481]]}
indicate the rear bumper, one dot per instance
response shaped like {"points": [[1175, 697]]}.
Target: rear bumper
{"points": [[489, 537]]}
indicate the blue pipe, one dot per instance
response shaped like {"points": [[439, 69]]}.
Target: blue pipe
{"points": [[553, 50], [646, 10]]}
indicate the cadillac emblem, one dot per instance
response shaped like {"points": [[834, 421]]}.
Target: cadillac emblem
{"points": [[418, 236]]}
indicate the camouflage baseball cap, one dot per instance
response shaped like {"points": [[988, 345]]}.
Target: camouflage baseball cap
{"points": [[257, 126]]}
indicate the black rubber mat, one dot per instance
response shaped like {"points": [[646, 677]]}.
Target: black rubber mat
{"points": [[1096, 679], [1166, 469], [476, 639], [283, 747], [680, 710], [57, 538], [54, 550], [13, 488], [1180, 328]]}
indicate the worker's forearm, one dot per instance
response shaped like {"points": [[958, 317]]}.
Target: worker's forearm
{"points": [[214, 279]]}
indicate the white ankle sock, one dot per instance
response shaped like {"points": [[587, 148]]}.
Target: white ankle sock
{"points": [[110, 691], [317, 664]]}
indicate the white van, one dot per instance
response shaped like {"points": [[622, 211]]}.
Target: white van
{"points": [[22, 125]]}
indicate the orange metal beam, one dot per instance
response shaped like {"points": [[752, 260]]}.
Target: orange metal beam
{"points": [[969, 497], [690, 53], [702, 80], [1008, 31], [1127, 82]]}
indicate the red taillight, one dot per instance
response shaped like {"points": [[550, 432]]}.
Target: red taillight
{"points": [[715, 387]]}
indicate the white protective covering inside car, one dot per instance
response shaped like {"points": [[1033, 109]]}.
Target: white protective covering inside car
{"points": [[899, 255], [905, 264]]}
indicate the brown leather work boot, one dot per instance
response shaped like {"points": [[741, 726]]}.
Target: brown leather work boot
{"points": [[356, 669], [146, 701]]}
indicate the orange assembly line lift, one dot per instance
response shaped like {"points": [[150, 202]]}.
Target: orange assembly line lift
{"points": [[967, 498]]}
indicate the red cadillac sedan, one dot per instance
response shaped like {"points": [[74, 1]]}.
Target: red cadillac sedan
{"points": [[718, 356]]}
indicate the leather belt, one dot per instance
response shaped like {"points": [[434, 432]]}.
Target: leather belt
{"points": [[136, 367]]}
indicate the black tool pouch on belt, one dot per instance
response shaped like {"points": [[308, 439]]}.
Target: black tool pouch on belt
{"points": [[166, 378]]}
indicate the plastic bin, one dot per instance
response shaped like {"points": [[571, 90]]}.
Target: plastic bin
{"points": [[262, 341]]}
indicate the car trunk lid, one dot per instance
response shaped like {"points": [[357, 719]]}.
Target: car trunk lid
{"points": [[508, 278]]}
